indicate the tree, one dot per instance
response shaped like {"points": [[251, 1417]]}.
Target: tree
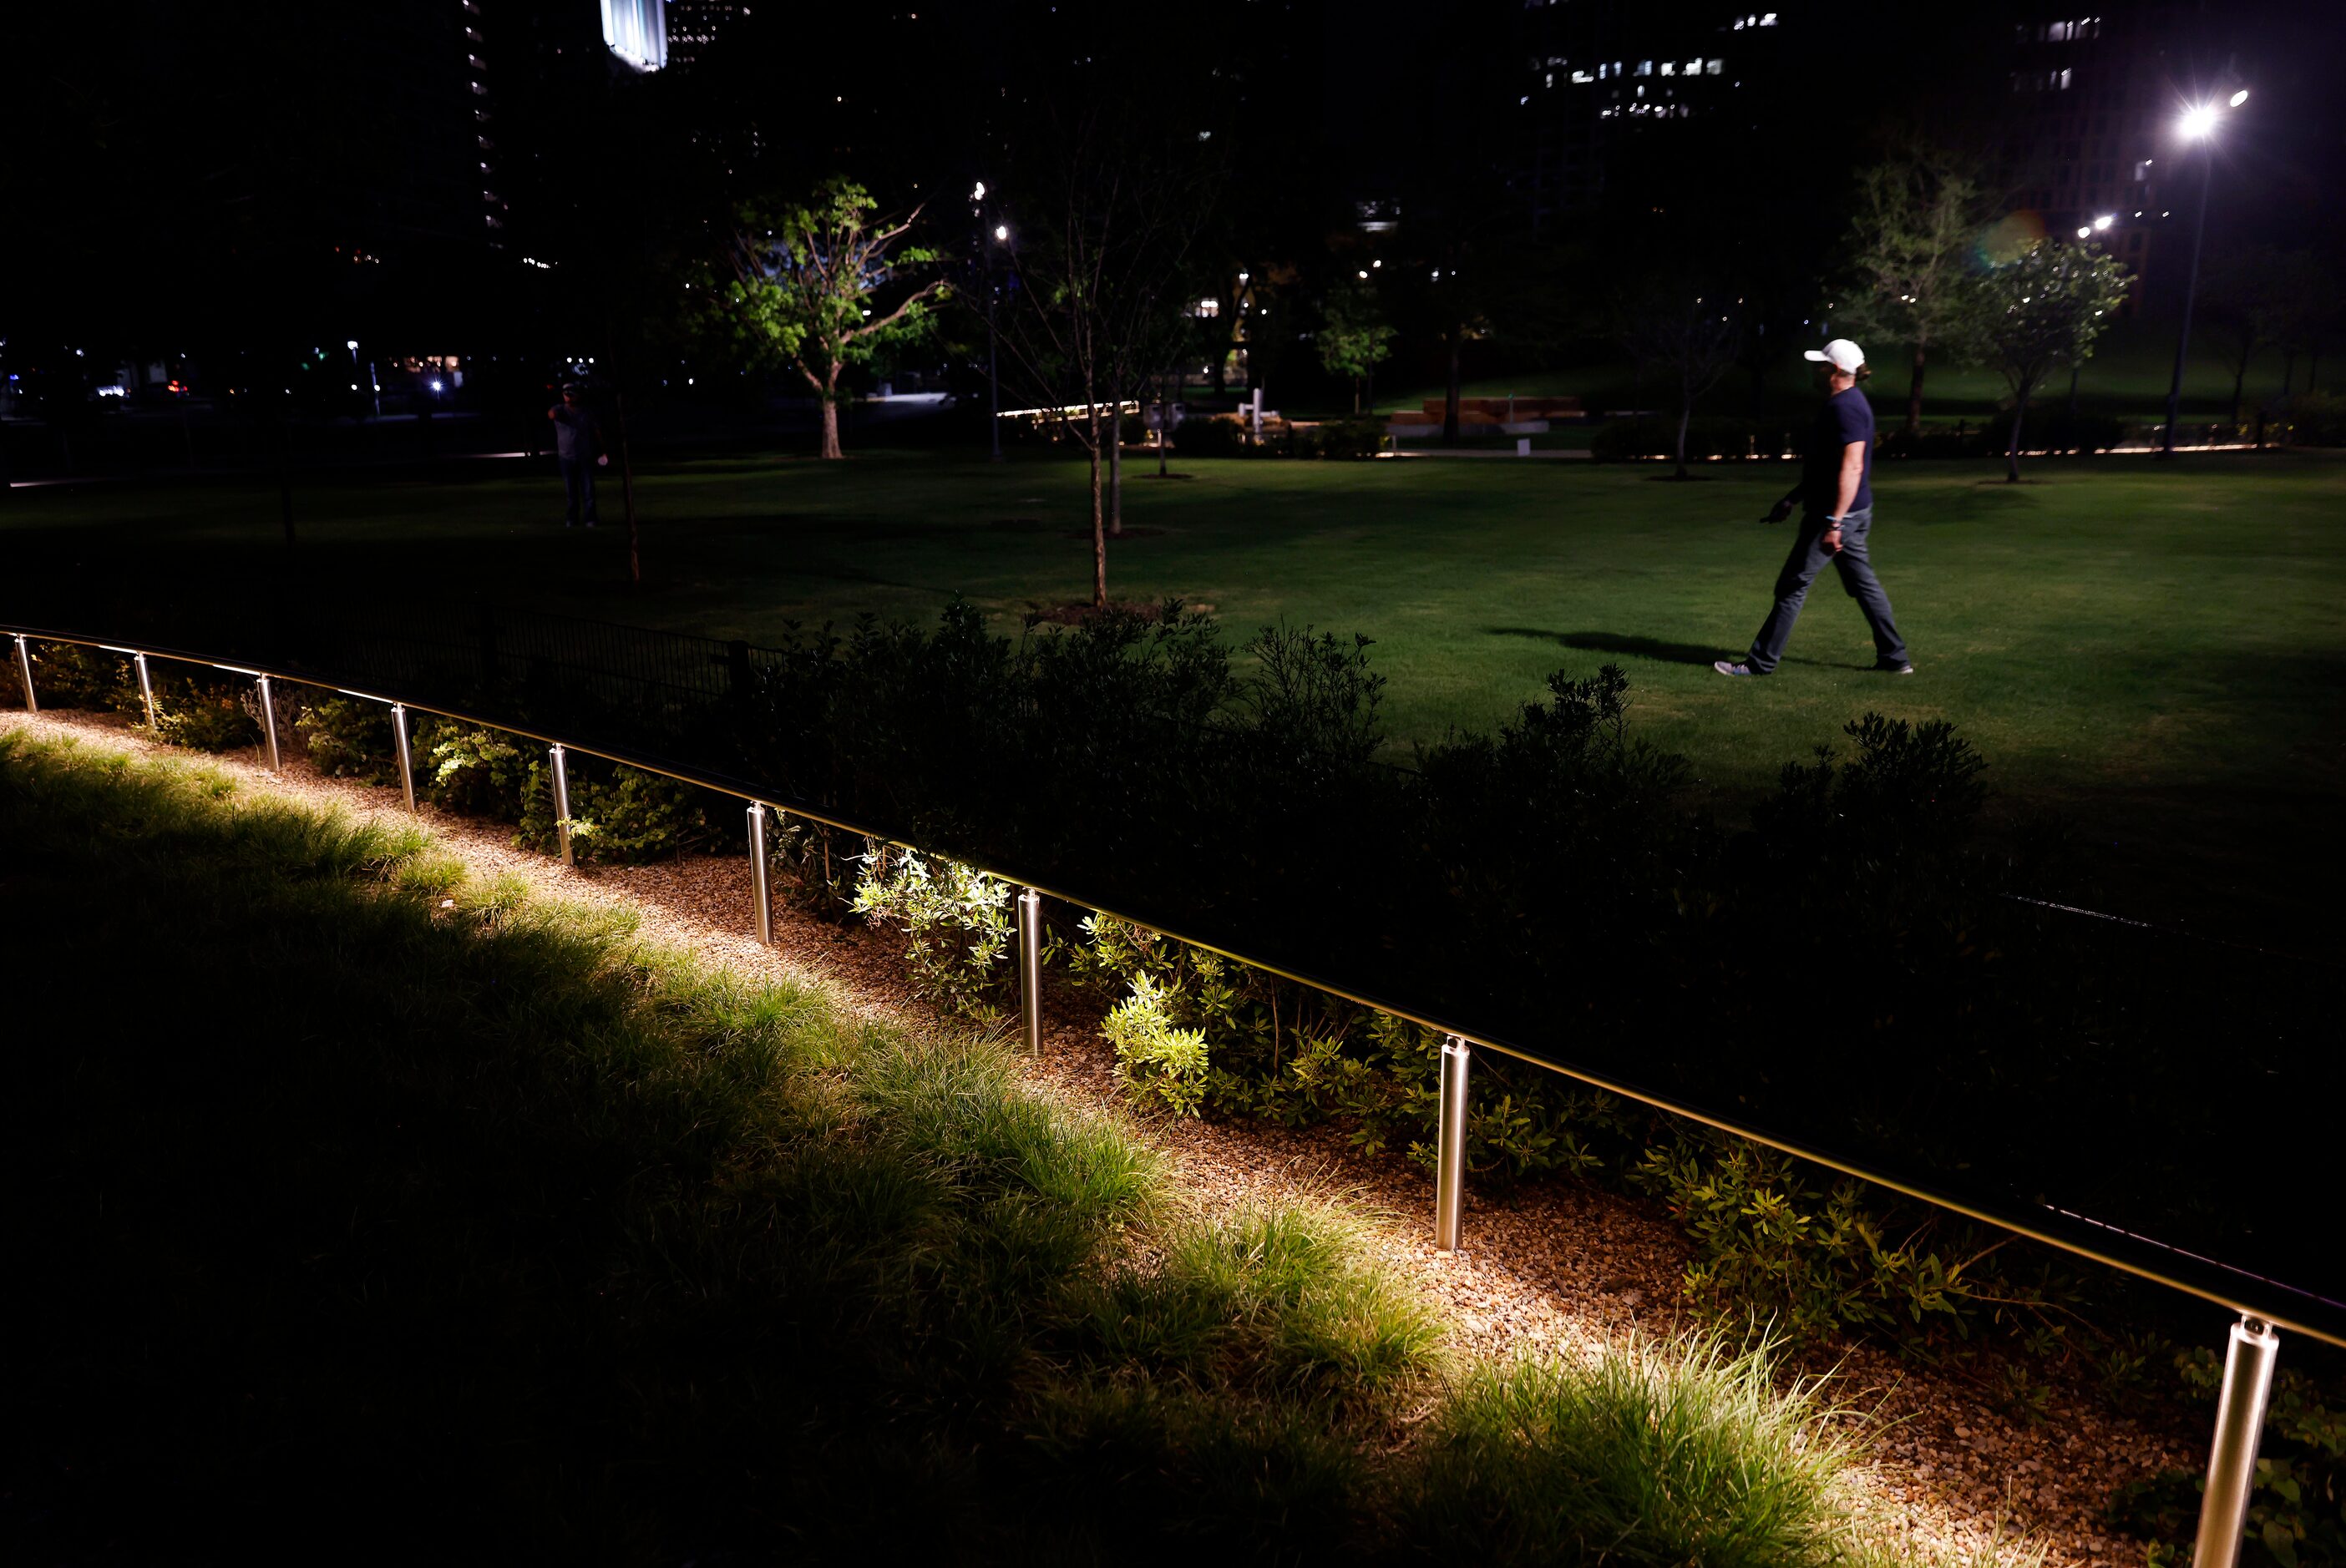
{"points": [[1354, 336], [2042, 309], [1917, 216], [1108, 209], [808, 279], [1689, 330]]}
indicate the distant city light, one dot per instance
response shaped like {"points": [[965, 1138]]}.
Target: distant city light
{"points": [[1002, 231], [2198, 121], [351, 344], [2239, 97], [979, 194], [2105, 220], [435, 386]]}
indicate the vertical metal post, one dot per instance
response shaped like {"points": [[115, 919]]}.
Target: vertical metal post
{"points": [[1450, 1149], [145, 687], [562, 803], [25, 669], [1030, 966], [269, 724], [762, 895], [406, 754], [2232, 1461]]}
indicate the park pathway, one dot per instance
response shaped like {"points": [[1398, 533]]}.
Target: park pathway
{"points": [[1559, 1266]]}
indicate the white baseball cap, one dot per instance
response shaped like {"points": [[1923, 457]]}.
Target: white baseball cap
{"points": [[1840, 353]]}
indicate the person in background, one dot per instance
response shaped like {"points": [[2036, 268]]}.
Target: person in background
{"points": [[579, 446], [1836, 497]]}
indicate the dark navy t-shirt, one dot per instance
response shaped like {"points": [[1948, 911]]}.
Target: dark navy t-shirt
{"points": [[1846, 417]]}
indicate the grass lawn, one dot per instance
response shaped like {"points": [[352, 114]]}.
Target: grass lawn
{"points": [[386, 1211], [2155, 649]]}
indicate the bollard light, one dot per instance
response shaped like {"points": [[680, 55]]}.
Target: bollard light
{"points": [[25, 669], [760, 894], [145, 689], [406, 754], [1030, 966], [269, 723], [2232, 1458], [562, 803], [1450, 1147]]}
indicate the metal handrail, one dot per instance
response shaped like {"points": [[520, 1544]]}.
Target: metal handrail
{"points": [[2262, 1303]]}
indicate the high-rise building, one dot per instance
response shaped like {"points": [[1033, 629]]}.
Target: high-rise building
{"points": [[694, 26]]}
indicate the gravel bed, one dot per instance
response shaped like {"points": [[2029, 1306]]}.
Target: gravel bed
{"points": [[1557, 1265]]}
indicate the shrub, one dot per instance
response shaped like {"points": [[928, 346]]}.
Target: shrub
{"points": [[478, 771], [1768, 1240], [348, 737], [1154, 1057], [618, 815], [956, 922], [71, 675]]}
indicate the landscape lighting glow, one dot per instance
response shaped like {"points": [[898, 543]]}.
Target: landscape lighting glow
{"points": [[2198, 120]]}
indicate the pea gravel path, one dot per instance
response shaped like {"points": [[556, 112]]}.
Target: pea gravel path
{"points": [[1560, 1266]]}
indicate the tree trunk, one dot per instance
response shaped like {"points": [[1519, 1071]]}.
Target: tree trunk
{"points": [[2288, 373], [1100, 522], [2239, 376], [1914, 396], [1116, 468], [1164, 421], [2012, 450], [1450, 396], [1685, 417], [830, 414]]}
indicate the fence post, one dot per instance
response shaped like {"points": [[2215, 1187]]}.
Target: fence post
{"points": [[25, 669], [406, 754], [1030, 966], [269, 723], [2232, 1459], [760, 893], [1450, 1148], [562, 803], [146, 686]]}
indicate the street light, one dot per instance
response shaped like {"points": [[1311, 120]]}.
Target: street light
{"points": [[2197, 125]]}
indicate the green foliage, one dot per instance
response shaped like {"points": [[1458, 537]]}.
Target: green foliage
{"points": [[821, 284], [956, 924], [1911, 248], [1768, 1240], [618, 815], [479, 772], [2044, 309], [72, 676], [1355, 336], [210, 714], [2297, 1509], [1156, 1059], [348, 737]]}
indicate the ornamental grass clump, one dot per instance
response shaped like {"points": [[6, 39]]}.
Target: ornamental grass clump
{"points": [[1643, 1456]]}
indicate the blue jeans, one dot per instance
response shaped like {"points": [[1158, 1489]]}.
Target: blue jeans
{"points": [[578, 489], [1857, 579]]}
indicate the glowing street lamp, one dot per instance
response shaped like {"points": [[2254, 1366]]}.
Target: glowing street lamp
{"points": [[2198, 125]]}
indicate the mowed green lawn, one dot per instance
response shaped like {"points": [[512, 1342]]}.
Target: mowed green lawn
{"points": [[2156, 649]]}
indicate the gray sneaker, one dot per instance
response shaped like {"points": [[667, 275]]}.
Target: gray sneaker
{"points": [[1901, 668], [1729, 667]]}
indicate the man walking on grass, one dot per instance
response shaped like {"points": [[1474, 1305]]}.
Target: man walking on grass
{"points": [[1836, 497]]}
